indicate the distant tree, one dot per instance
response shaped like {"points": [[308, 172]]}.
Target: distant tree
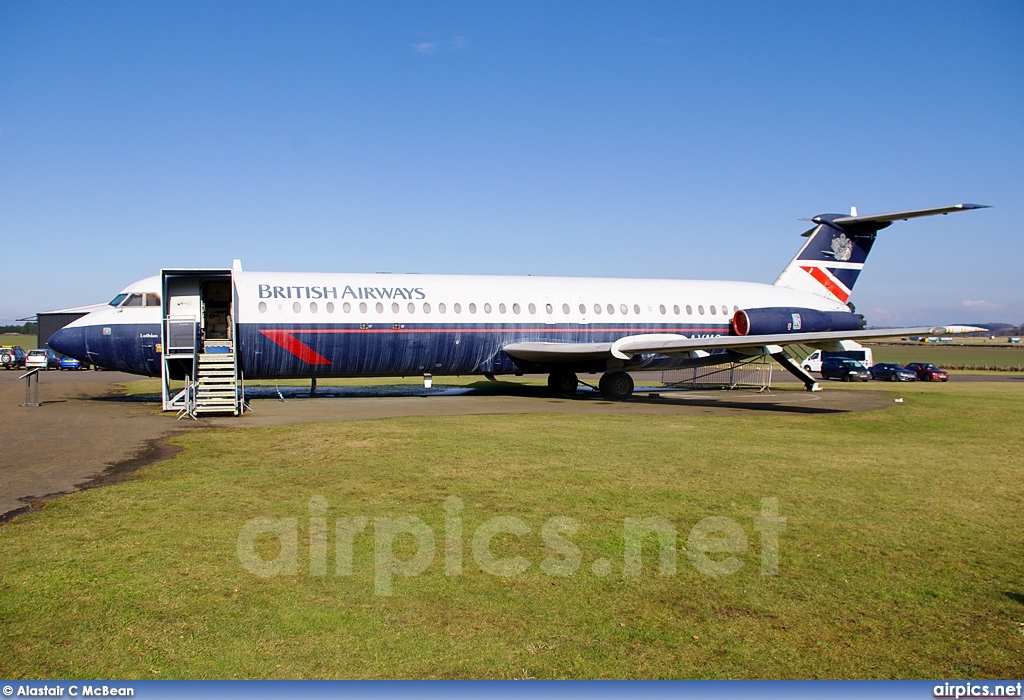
{"points": [[31, 328]]}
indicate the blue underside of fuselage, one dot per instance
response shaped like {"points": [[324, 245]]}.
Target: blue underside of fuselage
{"points": [[267, 351]]}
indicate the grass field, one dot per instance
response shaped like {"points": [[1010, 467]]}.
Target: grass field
{"points": [[953, 356], [901, 556], [27, 342]]}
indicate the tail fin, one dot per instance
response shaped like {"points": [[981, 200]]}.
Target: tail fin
{"points": [[830, 261]]}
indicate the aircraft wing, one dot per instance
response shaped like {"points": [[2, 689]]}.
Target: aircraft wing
{"points": [[673, 345]]}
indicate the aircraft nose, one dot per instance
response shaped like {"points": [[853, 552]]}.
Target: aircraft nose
{"points": [[70, 342]]}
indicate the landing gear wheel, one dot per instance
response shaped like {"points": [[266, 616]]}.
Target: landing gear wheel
{"points": [[563, 383], [616, 386]]}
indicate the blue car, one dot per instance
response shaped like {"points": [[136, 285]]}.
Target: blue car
{"points": [[71, 363], [893, 372]]}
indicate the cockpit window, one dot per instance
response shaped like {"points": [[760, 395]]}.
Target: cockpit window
{"points": [[116, 301], [152, 299], [134, 300]]}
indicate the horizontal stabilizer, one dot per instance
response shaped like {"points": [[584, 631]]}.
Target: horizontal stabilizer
{"points": [[902, 215]]}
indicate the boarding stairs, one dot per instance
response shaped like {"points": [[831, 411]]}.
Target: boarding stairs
{"points": [[216, 382]]}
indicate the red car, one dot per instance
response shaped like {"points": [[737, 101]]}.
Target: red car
{"points": [[928, 372]]}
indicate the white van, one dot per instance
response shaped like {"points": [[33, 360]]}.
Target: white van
{"points": [[852, 350]]}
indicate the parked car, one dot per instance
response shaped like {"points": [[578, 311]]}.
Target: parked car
{"points": [[42, 358], [12, 357], [845, 369], [72, 363], [892, 371], [928, 372]]}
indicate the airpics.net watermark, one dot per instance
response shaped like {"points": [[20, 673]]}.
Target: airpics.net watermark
{"points": [[712, 545]]}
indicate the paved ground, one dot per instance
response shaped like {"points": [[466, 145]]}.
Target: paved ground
{"points": [[84, 435]]}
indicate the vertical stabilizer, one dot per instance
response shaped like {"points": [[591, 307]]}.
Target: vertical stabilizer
{"points": [[830, 261]]}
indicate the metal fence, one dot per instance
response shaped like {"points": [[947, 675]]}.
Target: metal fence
{"points": [[742, 375]]}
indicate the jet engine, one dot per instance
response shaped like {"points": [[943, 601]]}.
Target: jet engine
{"points": [[777, 320]]}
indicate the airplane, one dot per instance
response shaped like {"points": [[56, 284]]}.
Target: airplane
{"points": [[244, 325]]}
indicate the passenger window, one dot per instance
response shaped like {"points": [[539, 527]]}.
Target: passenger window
{"points": [[700, 309], [636, 308], [501, 308], [458, 308], [395, 307], [346, 307], [297, 307], [330, 307], [152, 299], [134, 300], [675, 309], [263, 307], [611, 309], [549, 308], [313, 307], [583, 309], [487, 308], [379, 306], [689, 310], [597, 309], [472, 308], [713, 310], [411, 307], [663, 310], [565, 309], [362, 307], [441, 308], [725, 310], [623, 309], [516, 308], [426, 308], [532, 308]]}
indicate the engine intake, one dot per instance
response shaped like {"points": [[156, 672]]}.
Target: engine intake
{"points": [[774, 321]]}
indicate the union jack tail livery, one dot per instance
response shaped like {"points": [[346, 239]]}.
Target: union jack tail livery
{"points": [[830, 261]]}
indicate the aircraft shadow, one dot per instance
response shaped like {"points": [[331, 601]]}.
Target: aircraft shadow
{"points": [[755, 403]]}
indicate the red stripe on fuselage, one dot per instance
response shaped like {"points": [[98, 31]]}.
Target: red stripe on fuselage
{"points": [[827, 282], [296, 347]]}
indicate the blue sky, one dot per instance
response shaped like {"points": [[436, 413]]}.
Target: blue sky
{"points": [[641, 139]]}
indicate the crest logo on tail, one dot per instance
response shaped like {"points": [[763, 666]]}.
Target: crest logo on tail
{"points": [[842, 247]]}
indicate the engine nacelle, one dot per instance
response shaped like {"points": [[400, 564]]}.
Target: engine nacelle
{"points": [[774, 321]]}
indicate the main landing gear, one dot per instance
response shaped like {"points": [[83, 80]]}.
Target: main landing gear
{"points": [[614, 386], [563, 383]]}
